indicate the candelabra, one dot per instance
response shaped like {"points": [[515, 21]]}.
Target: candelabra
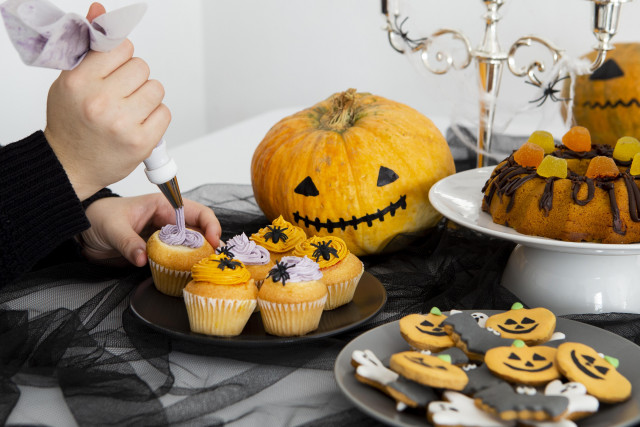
{"points": [[491, 58]]}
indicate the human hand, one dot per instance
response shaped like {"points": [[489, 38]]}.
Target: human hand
{"points": [[105, 116], [117, 224]]}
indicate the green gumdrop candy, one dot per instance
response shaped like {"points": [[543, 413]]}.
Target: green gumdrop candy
{"points": [[517, 306], [445, 357], [436, 311], [612, 361], [626, 147], [552, 166], [518, 343], [543, 139]]}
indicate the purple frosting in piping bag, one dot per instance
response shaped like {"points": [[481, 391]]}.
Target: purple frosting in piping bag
{"points": [[179, 235]]}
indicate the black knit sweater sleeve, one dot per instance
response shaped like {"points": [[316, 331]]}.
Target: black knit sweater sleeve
{"points": [[39, 209]]}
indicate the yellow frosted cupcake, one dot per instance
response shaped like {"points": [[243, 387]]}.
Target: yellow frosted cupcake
{"points": [[279, 238], [254, 257], [172, 251], [341, 270], [221, 297], [292, 298]]}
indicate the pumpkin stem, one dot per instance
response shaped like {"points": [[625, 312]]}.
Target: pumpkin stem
{"points": [[342, 112]]}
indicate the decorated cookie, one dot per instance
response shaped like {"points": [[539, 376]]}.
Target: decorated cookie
{"points": [[532, 325], [470, 337], [429, 370], [480, 378], [371, 371], [425, 332], [503, 401], [581, 363], [580, 403], [522, 364], [460, 411]]}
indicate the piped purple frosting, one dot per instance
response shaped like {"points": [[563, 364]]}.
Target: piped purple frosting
{"points": [[247, 250], [179, 235], [301, 269]]}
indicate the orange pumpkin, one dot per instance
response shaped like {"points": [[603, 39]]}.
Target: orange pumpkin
{"points": [[607, 102], [357, 166]]}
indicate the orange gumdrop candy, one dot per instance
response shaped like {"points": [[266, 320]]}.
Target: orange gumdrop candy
{"points": [[577, 139], [529, 155], [601, 166]]}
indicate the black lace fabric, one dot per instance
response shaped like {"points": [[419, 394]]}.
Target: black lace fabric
{"points": [[67, 331]]}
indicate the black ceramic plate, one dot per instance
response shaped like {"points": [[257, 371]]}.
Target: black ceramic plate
{"points": [[169, 315], [386, 340]]}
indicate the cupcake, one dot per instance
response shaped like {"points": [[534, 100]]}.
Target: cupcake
{"points": [[292, 298], [254, 257], [172, 251], [221, 296], [341, 270], [279, 238]]}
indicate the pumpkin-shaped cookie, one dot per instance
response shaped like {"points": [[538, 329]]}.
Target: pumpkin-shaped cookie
{"points": [[429, 370], [356, 166], [581, 363], [523, 364], [532, 325], [425, 332]]}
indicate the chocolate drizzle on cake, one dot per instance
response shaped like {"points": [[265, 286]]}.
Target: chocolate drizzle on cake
{"points": [[509, 176]]}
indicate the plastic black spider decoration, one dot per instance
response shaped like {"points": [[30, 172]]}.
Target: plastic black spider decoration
{"points": [[397, 29], [226, 250], [324, 250], [228, 263], [549, 92], [275, 233], [279, 272]]}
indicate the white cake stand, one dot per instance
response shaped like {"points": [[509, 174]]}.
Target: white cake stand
{"points": [[566, 277]]}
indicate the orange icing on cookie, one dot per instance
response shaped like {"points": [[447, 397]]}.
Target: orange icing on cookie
{"points": [[280, 236], [219, 269], [326, 251]]}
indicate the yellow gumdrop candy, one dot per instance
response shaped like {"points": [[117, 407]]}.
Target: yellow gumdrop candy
{"points": [[552, 166], [602, 166], [626, 148], [529, 155], [635, 165], [544, 139], [577, 139]]}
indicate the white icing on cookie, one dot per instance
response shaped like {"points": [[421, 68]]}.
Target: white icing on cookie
{"points": [[460, 410], [372, 368], [481, 318], [579, 400]]}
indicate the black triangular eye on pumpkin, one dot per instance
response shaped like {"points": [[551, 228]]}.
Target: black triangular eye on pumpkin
{"points": [[307, 188], [514, 356], [589, 359], [386, 176], [510, 322], [607, 71], [602, 369], [527, 320], [426, 323], [538, 358]]}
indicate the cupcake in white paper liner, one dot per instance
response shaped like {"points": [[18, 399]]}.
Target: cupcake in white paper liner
{"points": [[292, 298], [221, 297]]}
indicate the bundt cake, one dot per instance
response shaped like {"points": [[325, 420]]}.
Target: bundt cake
{"points": [[572, 191]]}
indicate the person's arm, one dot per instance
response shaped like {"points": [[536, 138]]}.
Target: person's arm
{"points": [[38, 206]]}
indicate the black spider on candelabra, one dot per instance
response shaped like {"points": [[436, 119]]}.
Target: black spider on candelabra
{"points": [[397, 29], [549, 92]]}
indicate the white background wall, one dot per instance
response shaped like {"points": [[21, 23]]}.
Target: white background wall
{"points": [[224, 61]]}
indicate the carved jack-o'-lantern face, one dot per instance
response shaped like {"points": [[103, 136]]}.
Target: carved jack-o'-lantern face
{"points": [[520, 363], [356, 166], [532, 326], [607, 102]]}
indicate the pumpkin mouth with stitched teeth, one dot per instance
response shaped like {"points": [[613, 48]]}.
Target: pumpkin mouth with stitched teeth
{"points": [[342, 224]]}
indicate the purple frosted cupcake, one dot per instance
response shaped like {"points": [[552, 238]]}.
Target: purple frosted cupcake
{"points": [[254, 257]]}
